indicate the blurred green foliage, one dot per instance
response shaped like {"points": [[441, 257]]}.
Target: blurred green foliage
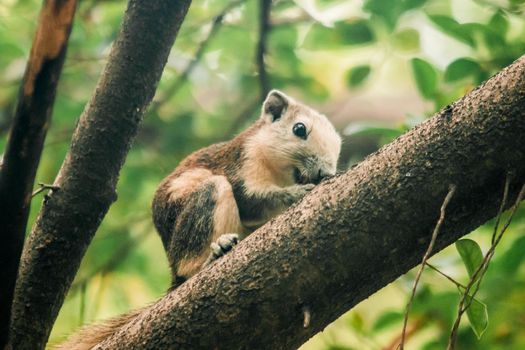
{"points": [[319, 51]]}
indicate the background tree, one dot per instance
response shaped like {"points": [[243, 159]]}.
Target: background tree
{"points": [[354, 62]]}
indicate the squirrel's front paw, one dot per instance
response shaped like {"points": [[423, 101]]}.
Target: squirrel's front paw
{"points": [[224, 244], [303, 190]]}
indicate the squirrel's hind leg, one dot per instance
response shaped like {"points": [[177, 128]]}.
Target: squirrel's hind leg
{"points": [[209, 217]]}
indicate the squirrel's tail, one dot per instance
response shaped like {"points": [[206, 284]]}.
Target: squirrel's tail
{"points": [[91, 335]]}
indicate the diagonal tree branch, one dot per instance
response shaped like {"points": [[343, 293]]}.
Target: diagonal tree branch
{"points": [[88, 177], [26, 140], [352, 235], [182, 79]]}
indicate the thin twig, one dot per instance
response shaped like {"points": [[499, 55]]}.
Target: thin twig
{"points": [[480, 271], [42, 187], [430, 248], [174, 88], [459, 285], [412, 330], [477, 276]]}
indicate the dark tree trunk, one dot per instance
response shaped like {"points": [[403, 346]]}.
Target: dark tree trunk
{"points": [[26, 140], [352, 235], [87, 179]]}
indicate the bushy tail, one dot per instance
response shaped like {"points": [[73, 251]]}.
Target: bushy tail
{"points": [[91, 335]]}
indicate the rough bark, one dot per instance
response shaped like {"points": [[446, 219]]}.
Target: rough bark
{"points": [[26, 141], [88, 177], [352, 235]]}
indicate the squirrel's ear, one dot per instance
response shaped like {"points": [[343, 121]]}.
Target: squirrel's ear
{"points": [[275, 105]]}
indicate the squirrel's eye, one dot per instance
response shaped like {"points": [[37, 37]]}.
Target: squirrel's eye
{"points": [[299, 129]]}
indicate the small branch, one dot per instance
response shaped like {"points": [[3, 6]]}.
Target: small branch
{"points": [[477, 276], [264, 29], [430, 248], [42, 187], [174, 88]]}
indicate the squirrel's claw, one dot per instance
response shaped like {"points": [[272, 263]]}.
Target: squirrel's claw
{"points": [[224, 244]]}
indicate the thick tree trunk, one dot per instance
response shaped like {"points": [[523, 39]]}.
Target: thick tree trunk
{"points": [[87, 179], [26, 141], [352, 235]]}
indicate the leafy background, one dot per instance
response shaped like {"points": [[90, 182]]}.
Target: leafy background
{"points": [[376, 68]]}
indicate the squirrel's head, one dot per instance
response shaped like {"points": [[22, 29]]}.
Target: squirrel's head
{"points": [[298, 142]]}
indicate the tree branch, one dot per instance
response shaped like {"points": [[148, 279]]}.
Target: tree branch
{"points": [[88, 177], [26, 141], [264, 28], [352, 235]]}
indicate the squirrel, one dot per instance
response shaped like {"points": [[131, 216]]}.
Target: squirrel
{"points": [[221, 193]]}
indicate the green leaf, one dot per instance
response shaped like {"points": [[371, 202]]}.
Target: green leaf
{"points": [[471, 255], [462, 68], [425, 76], [386, 320], [491, 37], [390, 11], [406, 40], [451, 27], [356, 322], [357, 75], [499, 23], [356, 32], [478, 316]]}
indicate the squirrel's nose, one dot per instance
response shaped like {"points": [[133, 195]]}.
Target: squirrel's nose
{"points": [[321, 174]]}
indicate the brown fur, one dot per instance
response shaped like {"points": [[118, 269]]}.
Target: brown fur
{"points": [[235, 187]]}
